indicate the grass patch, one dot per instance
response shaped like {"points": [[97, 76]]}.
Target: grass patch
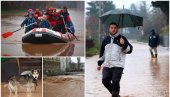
{"points": [[91, 52], [143, 39], [5, 59]]}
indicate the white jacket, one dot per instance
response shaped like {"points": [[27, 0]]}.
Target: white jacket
{"points": [[112, 53]]}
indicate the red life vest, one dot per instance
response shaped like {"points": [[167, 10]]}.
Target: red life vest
{"points": [[37, 14]]}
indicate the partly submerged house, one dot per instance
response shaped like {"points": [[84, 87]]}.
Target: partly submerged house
{"points": [[54, 66]]}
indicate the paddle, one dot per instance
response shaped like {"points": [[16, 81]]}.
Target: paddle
{"points": [[70, 30], [73, 34], [8, 34]]}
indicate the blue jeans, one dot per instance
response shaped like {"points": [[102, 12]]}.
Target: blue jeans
{"points": [[111, 78]]}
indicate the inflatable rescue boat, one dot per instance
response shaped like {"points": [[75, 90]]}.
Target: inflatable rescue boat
{"points": [[45, 35]]}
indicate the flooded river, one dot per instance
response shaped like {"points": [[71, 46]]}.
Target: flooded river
{"points": [[143, 77], [13, 45]]}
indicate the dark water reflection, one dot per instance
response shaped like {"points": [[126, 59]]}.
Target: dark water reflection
{"points": [[64, 49]]}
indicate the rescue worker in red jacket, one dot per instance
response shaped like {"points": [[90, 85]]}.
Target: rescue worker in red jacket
{"points": [[64, 22], [51, 16], [37, 13]]}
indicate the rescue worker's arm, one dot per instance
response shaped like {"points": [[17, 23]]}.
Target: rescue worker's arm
{"points": [[70, 27], [23, 23], [34, 21]]}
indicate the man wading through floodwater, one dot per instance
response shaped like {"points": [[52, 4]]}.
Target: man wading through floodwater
{"points": [[112, 55]]}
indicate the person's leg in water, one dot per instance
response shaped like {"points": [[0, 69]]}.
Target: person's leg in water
{"points": [[106, 78], [150, 49], [155, 50], [116, 76]]}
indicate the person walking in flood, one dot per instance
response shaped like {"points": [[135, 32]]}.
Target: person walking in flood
{"points": [[153, 43], [112, 55]]}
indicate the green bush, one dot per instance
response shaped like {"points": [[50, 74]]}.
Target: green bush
{"points": [[5, 59], [165, 30], [91, 52]]}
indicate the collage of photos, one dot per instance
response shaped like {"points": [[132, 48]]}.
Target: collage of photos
{"points": [[84, 48]]}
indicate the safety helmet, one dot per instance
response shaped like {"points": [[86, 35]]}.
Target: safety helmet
{"points": [[30, 10]]}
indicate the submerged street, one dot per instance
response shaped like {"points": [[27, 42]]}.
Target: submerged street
{"points": [[142, 76]]}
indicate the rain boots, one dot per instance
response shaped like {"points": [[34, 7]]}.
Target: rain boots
{"points": [[156, 55], [115, 94], [152, 55]]}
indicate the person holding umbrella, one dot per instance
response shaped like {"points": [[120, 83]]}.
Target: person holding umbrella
{"points": [[153, 43], [112, 55]]}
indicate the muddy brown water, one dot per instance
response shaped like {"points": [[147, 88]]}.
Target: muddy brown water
{"points": [[143, 76], [64, 86], [13, 45]]}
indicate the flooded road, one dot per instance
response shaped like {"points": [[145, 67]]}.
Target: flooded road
{"points": [[13, 45], [143, 77], [22, 91]]}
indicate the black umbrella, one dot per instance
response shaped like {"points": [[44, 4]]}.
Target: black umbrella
{"points": [[123, 17]]}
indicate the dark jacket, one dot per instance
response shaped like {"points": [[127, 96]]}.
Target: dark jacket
{"points": [[154, 40], [71, 26], [44, 24], [67, 20], [27, 22]]}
